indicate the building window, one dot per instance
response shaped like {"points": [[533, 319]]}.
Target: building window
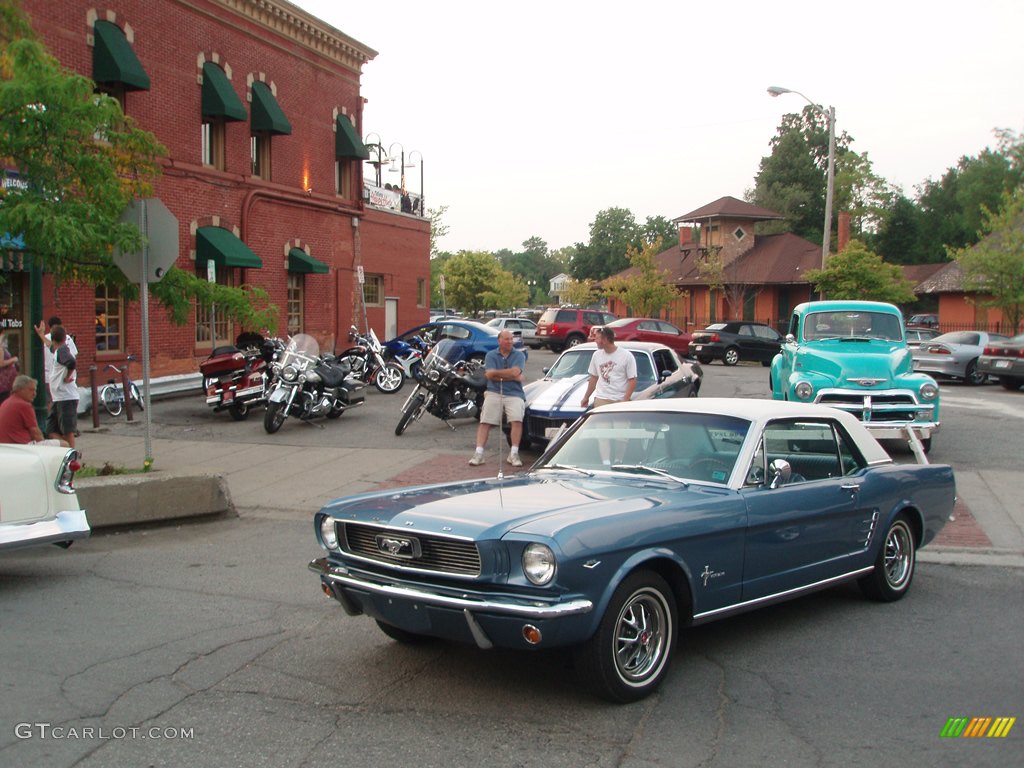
{"points": [[261, 155], [421, 292], [213, 143], [109, 319], [221, 326], [739, 234], [343, 178], [373, 290], [295, 303]]}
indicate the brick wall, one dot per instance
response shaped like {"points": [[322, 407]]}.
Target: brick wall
{"points": [[171, 40]]}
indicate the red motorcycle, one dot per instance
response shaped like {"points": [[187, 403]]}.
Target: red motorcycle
{"points": [[236, 378]]}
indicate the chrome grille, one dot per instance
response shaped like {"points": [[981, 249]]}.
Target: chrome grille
{"points": [[888, 406], [435, 553]]}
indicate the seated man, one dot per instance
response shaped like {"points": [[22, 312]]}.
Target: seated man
{"points": [[18, 418]]}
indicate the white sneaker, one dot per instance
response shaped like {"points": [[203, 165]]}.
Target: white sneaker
{"points": [[514, 460], [477, 460]]}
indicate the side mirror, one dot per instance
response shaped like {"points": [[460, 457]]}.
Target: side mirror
{"points": [[779, 471]]}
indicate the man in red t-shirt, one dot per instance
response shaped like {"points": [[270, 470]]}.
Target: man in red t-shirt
{"points": [[18, 418]]}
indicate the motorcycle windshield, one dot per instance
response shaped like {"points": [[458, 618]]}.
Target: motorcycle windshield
{"points": [[444, 354], [300, 351]]}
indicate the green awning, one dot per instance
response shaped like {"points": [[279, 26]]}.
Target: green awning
{"points": [[266, 112], [219, 98], [301, 262], [224, 248], [114, 61], [346, 141]]}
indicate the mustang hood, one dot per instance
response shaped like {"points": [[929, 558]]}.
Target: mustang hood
{"points": [[875, 360], [557, 395], [481, 509]]}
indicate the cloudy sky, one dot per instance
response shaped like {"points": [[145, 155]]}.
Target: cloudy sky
{"points": [[533, 116]]}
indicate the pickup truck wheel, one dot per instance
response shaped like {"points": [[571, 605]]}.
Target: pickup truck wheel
{"points": [[409, 638], [894, 566], [629, 655]]}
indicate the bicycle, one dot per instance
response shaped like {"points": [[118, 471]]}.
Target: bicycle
{"points": [[111, 394]]}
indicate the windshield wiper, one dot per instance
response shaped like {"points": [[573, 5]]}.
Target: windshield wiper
{"points": [[653, 470], [586, 472]]}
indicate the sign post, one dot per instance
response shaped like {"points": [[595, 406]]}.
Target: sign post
{"points": [[159, 229], [361, 277]]}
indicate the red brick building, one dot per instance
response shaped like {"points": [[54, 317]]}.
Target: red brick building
{"points": [[258, 104]]}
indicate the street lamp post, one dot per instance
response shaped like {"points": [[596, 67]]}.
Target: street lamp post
{"points": [[412, 164], [391, 154], [378, 148], [830, 115]]}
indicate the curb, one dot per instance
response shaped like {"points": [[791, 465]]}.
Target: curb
{"points": [[120, 500]]}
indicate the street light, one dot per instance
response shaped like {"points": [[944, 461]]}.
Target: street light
{"points": [[830, 115], [391, 154], [378, 148], [412, 164]]}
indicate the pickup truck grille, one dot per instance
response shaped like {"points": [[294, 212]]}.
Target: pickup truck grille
{"points": [[877, 406], [425, 553]]}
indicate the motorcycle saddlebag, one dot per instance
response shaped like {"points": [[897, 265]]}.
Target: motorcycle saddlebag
{"points": [[218, 365], [353, 392]]}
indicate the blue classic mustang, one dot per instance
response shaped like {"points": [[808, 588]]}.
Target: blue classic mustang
{"points": [[646, 517]]}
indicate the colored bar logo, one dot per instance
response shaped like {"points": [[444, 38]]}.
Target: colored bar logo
{"points": [[977, 727]]}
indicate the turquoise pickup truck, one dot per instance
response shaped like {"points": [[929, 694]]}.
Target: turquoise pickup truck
{"points": [[853, 355]]}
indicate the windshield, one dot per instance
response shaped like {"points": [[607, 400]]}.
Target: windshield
{"points": [[701, 447], [300, 351], [443, 354], [852, 324], [571, 363]]}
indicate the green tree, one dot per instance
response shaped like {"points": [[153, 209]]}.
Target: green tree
{"points": [[648, 290], [469, 276], [857, 273], [80, 161], [659, 227], [438, 228], [995, 265], [507, 292], [612, 233], [580, 293], [898, 240]]}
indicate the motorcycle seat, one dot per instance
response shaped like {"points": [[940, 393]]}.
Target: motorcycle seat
{"points": [[332, 375]]}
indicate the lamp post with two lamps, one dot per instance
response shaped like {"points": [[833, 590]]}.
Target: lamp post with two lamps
{"points": [[830, 116]]}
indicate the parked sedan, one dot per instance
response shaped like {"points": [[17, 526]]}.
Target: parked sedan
{"points": [[955, 355], [649, 329], [734, 341], [918, 334], [38, 504], [553, 402], [708, 508], [520, 326], [1005, 361], [473, 339]]}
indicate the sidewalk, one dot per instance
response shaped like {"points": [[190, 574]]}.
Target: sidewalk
{"points": [[275, 480]]}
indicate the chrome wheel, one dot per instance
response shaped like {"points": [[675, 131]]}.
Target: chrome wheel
{"points": [[389, 379], [898, 555], [641, 636]]}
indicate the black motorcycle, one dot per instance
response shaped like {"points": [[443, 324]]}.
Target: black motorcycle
{"points": [[451, 388], [307, 385], [368, 362]]}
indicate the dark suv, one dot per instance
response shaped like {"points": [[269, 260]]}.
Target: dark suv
{"points": [[560, 327]]}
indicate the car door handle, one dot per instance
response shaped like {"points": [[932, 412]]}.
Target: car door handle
{"points": [[850, 487]]}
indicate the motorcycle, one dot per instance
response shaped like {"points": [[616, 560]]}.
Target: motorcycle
{"points": [[408, 354], [449, 389], [235, 378], [368, 365], [307, 385]]}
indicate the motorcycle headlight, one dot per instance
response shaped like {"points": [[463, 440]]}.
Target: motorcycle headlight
{"points": [[434, 376], [929, 391], [329, 532], [289, 373], [804, 391], [539, 564]]}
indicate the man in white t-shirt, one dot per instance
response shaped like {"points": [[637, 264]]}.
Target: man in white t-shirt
{"points": [[62, 422], [52, 323], [612, 372]]}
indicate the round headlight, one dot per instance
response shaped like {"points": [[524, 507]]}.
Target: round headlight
{"points": [[804, 391], [929, 391], [289, 373], [329, 532], [539, 564]]}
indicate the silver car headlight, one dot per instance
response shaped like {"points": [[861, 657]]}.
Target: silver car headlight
{"points": [[929, 391], [539, 564], [804, 391], [329, 532]]}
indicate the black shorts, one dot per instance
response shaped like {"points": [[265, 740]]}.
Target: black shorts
{"points": [[63, 417]]}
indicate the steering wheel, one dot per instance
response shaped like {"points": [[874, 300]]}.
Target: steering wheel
{"points": [[705, 468]]}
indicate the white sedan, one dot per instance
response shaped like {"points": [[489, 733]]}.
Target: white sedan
{"points": [[38, 504]]}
